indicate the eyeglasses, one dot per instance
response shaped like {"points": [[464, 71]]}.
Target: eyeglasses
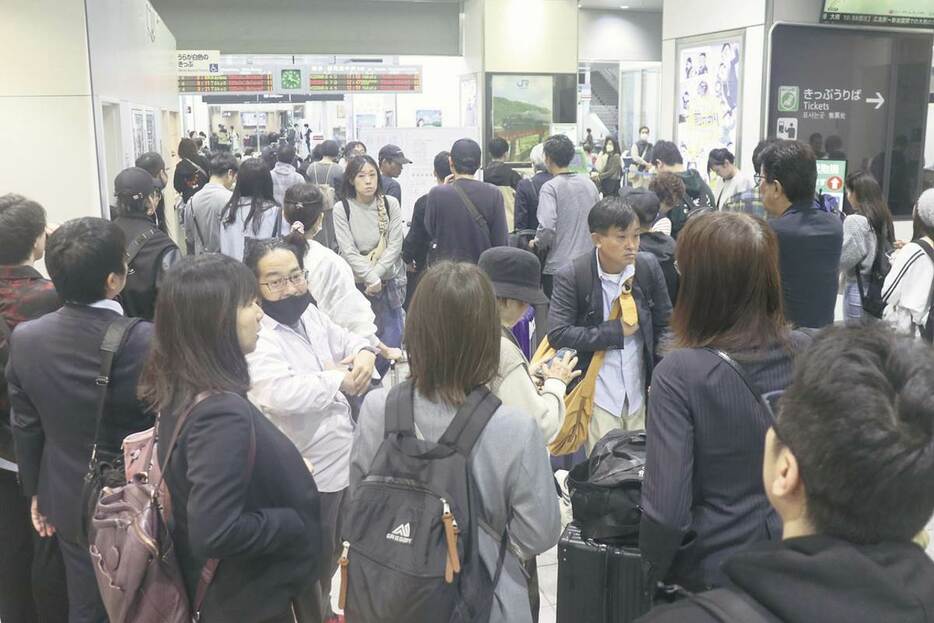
{"points": [[279, 284], [757, 178], [772, 403]]}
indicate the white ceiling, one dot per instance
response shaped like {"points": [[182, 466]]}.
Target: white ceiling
{"points": [[634, 5]]}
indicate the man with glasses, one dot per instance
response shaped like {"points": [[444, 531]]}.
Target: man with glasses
{"points": [[303, 370], [810, 240], [848, 466], [150, 252]]}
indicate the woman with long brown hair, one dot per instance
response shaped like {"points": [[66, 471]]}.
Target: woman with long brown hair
{"points": [[705, 426], [867, 232]]}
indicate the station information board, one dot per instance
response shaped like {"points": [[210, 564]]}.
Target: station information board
{"points": [[365, 82], [225, 83]]}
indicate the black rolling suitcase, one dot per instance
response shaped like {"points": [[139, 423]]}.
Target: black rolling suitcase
{"points": [[599, 583]]}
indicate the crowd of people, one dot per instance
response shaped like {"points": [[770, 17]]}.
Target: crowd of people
{"points": [[788, 458]]}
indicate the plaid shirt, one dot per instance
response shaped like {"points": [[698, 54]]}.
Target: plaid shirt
{"points": [[747, 201], [25, 295]]}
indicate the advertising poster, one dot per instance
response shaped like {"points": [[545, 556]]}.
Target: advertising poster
{"points": [[468, 97], [709, 93], [830, 182], [428, 118], [522, 112]]}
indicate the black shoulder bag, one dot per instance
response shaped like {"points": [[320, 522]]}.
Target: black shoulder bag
{"points": [[105, 468]]}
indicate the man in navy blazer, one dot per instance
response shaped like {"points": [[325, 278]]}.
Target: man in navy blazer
{"points": [[54, 362], [581, 304]]}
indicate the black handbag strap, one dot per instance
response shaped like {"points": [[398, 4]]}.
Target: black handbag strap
{"points": [[110, 345], [133, 249], [743, 375], [472, 208]]}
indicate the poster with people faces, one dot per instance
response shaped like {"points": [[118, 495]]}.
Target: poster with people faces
{"points": [[708, 92]]}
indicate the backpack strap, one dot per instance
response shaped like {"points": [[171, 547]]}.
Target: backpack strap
{"points": [[583, 282], [470, 420], [133, 249], [926, 330], [741, 372], [114, 337], [346, 210], [400, 410], [729, 606]]}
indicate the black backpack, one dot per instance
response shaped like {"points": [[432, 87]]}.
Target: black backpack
{"points": [[6, 433], [413, 553], [606, 489], [871, 293]]}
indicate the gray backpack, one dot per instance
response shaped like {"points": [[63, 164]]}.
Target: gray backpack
{"points": [[413, 553]]}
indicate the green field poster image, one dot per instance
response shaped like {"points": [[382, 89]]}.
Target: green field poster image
{"points": [[522, 112]]}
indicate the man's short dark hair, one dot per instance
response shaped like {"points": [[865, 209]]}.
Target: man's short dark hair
{"points": [[644, 203], [22, 221], [442, 165], [667, 152], [330, 149], [793, 164], [498, 148], [859, 418], [286, 153], [644, 127], [151, 161], [223, 162], [610, 212], [559, 149], [720, 156], [466, 155], [757, 152], [81, 254]]}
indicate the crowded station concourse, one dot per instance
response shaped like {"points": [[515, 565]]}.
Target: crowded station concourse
{"points": [[382, 357]]}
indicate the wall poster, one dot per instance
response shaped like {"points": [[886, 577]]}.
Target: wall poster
{"points": [[709, 91], [523, 108], [428, 118]]}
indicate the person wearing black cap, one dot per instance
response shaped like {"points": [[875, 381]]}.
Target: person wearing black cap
{"points": [[646, 205], [150, 252], [465, 217], [152, 161], [515, 274], [391, 160]]}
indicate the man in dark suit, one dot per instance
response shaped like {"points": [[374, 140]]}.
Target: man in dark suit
{"points": [[54, 364], [32, 574], [809, 240], [613, 300]]}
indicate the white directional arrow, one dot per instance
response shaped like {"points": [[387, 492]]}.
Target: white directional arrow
{"points": [[878, 100]]}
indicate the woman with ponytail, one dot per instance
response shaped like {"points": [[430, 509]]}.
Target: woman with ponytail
{"points": [[330, 279]]}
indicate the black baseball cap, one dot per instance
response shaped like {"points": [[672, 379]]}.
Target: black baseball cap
{"points": [[393, 152], [134, 183], [466, 154], [515, 273], [152, 161]]}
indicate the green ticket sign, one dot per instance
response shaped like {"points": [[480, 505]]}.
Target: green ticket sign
{"points": [[830, 180]]}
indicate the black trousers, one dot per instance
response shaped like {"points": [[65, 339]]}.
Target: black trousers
{"points": [[32, 574], [84, 599]]}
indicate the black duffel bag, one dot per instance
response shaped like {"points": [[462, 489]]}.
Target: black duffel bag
{"points": [[606, 489]]}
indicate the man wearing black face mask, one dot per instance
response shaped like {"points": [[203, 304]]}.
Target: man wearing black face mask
{"points": [[302, 371], [150, 252]]}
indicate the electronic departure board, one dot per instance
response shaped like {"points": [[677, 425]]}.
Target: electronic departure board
{"points": [[225, 83], [365, 82]]}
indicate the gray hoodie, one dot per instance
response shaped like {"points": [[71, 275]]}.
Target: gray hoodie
{"points": [[284, 176]]}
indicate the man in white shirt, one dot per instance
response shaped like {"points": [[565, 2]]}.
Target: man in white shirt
{"points": [[735, 181], [302, 367]]}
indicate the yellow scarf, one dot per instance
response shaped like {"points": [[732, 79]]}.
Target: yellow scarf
{"points": [[579, 403]]}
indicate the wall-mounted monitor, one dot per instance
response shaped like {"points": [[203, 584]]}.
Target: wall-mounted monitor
{"points": [[253, 119], [903, 13]]}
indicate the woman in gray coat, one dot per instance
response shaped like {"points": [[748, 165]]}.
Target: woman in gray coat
{"points": [[453, 339]]}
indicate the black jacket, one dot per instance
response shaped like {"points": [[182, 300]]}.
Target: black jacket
{"points": [[501, 174], [809, 245], [576, 313], [527, 200], [662, 247], [54, 362], [188, 178], [417, 242], [156, 256], [264, 528], [820, 578]]}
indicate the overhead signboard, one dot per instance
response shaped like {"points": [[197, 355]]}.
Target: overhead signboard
{"points": [[225, 83], [905, 13], [305, 79], [856, 95], [194, 62], [384, 79]]}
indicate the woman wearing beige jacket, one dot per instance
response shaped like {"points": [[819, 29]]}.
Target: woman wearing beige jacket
{"points": [[515, 274]]}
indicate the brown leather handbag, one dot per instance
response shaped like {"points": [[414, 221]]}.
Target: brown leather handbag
{"points": [[131, 547]]}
